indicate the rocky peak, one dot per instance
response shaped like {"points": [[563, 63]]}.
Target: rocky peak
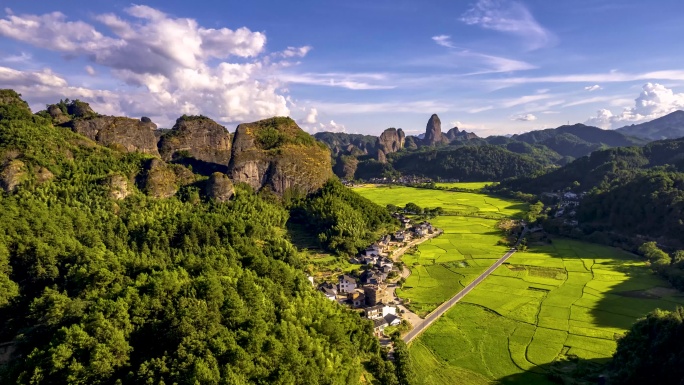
{"points": [[122, 133], [199, 137], [391, 140], [276, 153], [433, 131]]}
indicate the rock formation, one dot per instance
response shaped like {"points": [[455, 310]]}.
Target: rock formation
{"points": [[277, 153], [159, 180], [219, 187], [391, 140], [345, 166], [199, 137], [456, 134], [381, 157], [12, 174], [125, 134], [433, 131], [118, 186], [58, 116]]}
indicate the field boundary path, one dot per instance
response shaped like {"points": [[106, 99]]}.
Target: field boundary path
{"points": [[441, 309]]}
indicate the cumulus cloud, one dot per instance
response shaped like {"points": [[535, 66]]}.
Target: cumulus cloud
{"points": [[524, 118], [311, 117], [509, 17], [90, 70], [654, 101], [595, 87], [172, 65], [332, 127]]}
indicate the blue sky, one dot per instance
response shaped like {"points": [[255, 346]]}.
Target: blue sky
{"points": [[488, 66]]}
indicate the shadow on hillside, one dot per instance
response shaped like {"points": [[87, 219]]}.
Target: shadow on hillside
{"points": [[625, 301], [201, 167], [573, 371]]}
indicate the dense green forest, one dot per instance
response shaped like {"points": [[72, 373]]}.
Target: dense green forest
{"points": [[343, 221], [96, 289], [651, 352], [467, 163]]}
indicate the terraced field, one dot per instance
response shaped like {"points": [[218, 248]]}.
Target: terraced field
{"points": [[556, 300], [567, 298], [444, 265]]}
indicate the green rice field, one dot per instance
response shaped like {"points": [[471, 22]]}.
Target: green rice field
{"points": [[556, 300]]}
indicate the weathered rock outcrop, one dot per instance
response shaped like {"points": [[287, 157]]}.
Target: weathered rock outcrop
{"points": [[219, 187], [433, 131], [276, 153], [456, 134], [345, 166], [382, 158], [159, 180], [119, 186], [58, 116], [12, 174], [391, 140], [410, 143], [199, 137], [125, 134]]}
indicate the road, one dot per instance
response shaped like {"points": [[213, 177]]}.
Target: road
{"points": [[432, 317]]}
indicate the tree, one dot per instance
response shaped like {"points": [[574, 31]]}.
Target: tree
{"points": [[413, 208], [657, 257]]}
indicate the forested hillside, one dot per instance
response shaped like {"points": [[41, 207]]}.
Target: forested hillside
{"points": [[102, 283], [467, 163]]}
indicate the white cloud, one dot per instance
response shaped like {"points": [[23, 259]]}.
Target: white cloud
{"points": [[296, 51], [595, 87], [524, 118], [172, 65], [90, 70], [509, 17], [358, 81], [480, 109], [332, 127], [12, 78], [443, 40], [525, 99], [613, 76], [311, 117], [654, 101]]}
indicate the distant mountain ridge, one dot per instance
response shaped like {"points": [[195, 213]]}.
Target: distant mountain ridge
{"points": [[670, 126]]}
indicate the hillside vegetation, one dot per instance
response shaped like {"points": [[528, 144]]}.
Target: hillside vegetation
{"points": [[102, 283]]}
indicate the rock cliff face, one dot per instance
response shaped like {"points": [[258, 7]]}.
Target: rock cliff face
{"points": [[433, 131], [125, 133], [276, 153], [200, 137], [163, 180], [391, 140]]}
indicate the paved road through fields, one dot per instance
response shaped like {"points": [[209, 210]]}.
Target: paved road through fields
{"points": [[455, 299]]}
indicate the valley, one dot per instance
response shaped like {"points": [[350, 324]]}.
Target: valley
{"points": [[550, 309]]}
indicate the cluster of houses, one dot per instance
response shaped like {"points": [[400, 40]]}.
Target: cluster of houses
{"points": [[565, 205], [369, 290]]}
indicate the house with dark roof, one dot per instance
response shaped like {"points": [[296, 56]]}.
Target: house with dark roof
{"points": [[346, 284], [374, 312]]}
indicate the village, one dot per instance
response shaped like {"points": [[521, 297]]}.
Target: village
{"points": [[372, 292]]}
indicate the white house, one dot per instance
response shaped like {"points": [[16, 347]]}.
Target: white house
{"points": [[346, 284]]}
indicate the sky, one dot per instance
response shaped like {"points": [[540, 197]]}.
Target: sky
{"points": [[487, 66]]}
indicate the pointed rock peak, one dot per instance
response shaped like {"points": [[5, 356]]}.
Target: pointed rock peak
{"points": [[433, 131]]}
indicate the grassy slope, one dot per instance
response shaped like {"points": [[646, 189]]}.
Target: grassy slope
{"points": [[565, 298]]}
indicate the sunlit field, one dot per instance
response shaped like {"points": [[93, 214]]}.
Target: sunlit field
{"points": [[556, 300]]}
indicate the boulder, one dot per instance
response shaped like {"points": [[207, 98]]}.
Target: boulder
{"points": [[199, 137], [433, 131], [219, 187], [126, 134], [118, 186], [159, 180], [12, 174], [276, 153]]}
